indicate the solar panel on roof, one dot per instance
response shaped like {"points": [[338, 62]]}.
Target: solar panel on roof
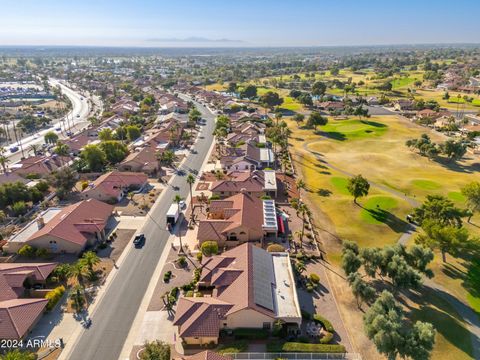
{"points": [[263, 278]]}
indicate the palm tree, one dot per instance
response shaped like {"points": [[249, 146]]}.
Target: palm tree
{"points": [[304, 211], [5, 123], [34, 148], [178, 199], [77, 272], [301, 186], [90, 259], [3, 159], [190, 181], [166, 157], [77, 295]]}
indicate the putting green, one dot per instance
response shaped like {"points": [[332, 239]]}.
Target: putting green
{"points": [[375, 209], [456, 196], [426, 184]]}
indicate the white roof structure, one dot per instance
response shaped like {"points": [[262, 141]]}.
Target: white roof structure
{"points": [[270, 180], [32, 227], [269, 216], [266, 155], [285, 297]]}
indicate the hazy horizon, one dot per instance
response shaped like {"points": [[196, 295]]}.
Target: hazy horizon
{"points": [[269, 23]]}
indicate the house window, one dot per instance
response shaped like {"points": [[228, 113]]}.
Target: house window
{"points": [[232, 237], [266, 325]]}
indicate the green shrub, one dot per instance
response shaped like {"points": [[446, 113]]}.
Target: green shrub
{"points": [[327, 337], [209, 248], [42, 186], [27, 251], [250, 333], [42, 252], [199, 256], [303, 347], [32, 176], [182, 261], [233, 348], [327, 325], [167, 276], [314, 278], [19, 208], [53, 296], [214, 197], [189, 293]]}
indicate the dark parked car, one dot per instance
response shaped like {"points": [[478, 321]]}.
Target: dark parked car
{"points": [[139, 240]]}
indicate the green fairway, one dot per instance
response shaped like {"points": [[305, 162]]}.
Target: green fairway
{"points": [[340, 183], [352, 129], [402, 82], [426, 184], [473, 285]]}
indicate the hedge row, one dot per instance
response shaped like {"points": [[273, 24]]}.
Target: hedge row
{"points": [[250, 333], [302, 347], [327, 325]]}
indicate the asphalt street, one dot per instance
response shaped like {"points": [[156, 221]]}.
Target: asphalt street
{"points": [[116, 311], [79, 107]]}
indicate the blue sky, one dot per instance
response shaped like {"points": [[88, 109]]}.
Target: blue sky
{"points": [[254, 23]]}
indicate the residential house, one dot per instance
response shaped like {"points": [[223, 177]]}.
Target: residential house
{"points": [[125, 107], [40, 165], [65, 230], [257, 183], [18, 315], [248, 156], [331, 105], [237, 219], [252, 288], [114, 185], [404, 105]]}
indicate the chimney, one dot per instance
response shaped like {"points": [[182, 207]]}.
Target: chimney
{"points": [[243, 190], [40, 222]]}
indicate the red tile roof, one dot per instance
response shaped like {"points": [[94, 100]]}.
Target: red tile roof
{"points": [[71, 224], [113, 182], [18, 315]]}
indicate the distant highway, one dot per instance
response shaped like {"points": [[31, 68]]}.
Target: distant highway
{"points": [[77, 119]]}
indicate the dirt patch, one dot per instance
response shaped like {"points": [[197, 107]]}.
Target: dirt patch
{"points": [[138, 204]]}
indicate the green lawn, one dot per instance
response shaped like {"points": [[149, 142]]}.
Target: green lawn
{"points": [[376, 209], [473, 285], [402, 82]]}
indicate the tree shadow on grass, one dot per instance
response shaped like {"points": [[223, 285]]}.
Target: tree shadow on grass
{"points": [[334, 135], [457, 167], [373, 123], [389, 219], [435, 306], [286, 112], [324, 192]]}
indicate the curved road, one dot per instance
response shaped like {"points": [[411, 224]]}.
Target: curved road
{"points": [[79, 107], [118, 307]]}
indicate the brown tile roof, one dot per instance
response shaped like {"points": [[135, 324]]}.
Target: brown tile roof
{"points": [[197, 317], [18, 315], [42, 165], [74, 221], [113, 182], [237, 210], [251, 181]]}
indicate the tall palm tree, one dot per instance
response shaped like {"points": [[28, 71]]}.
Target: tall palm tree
{"points": [[190, 181], [77, 272], [177, 199], [90, 259], [3, 159], [5, 123]]}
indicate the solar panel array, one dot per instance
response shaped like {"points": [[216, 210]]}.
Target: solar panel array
{"points": [[269, 215], [263, 278]]}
